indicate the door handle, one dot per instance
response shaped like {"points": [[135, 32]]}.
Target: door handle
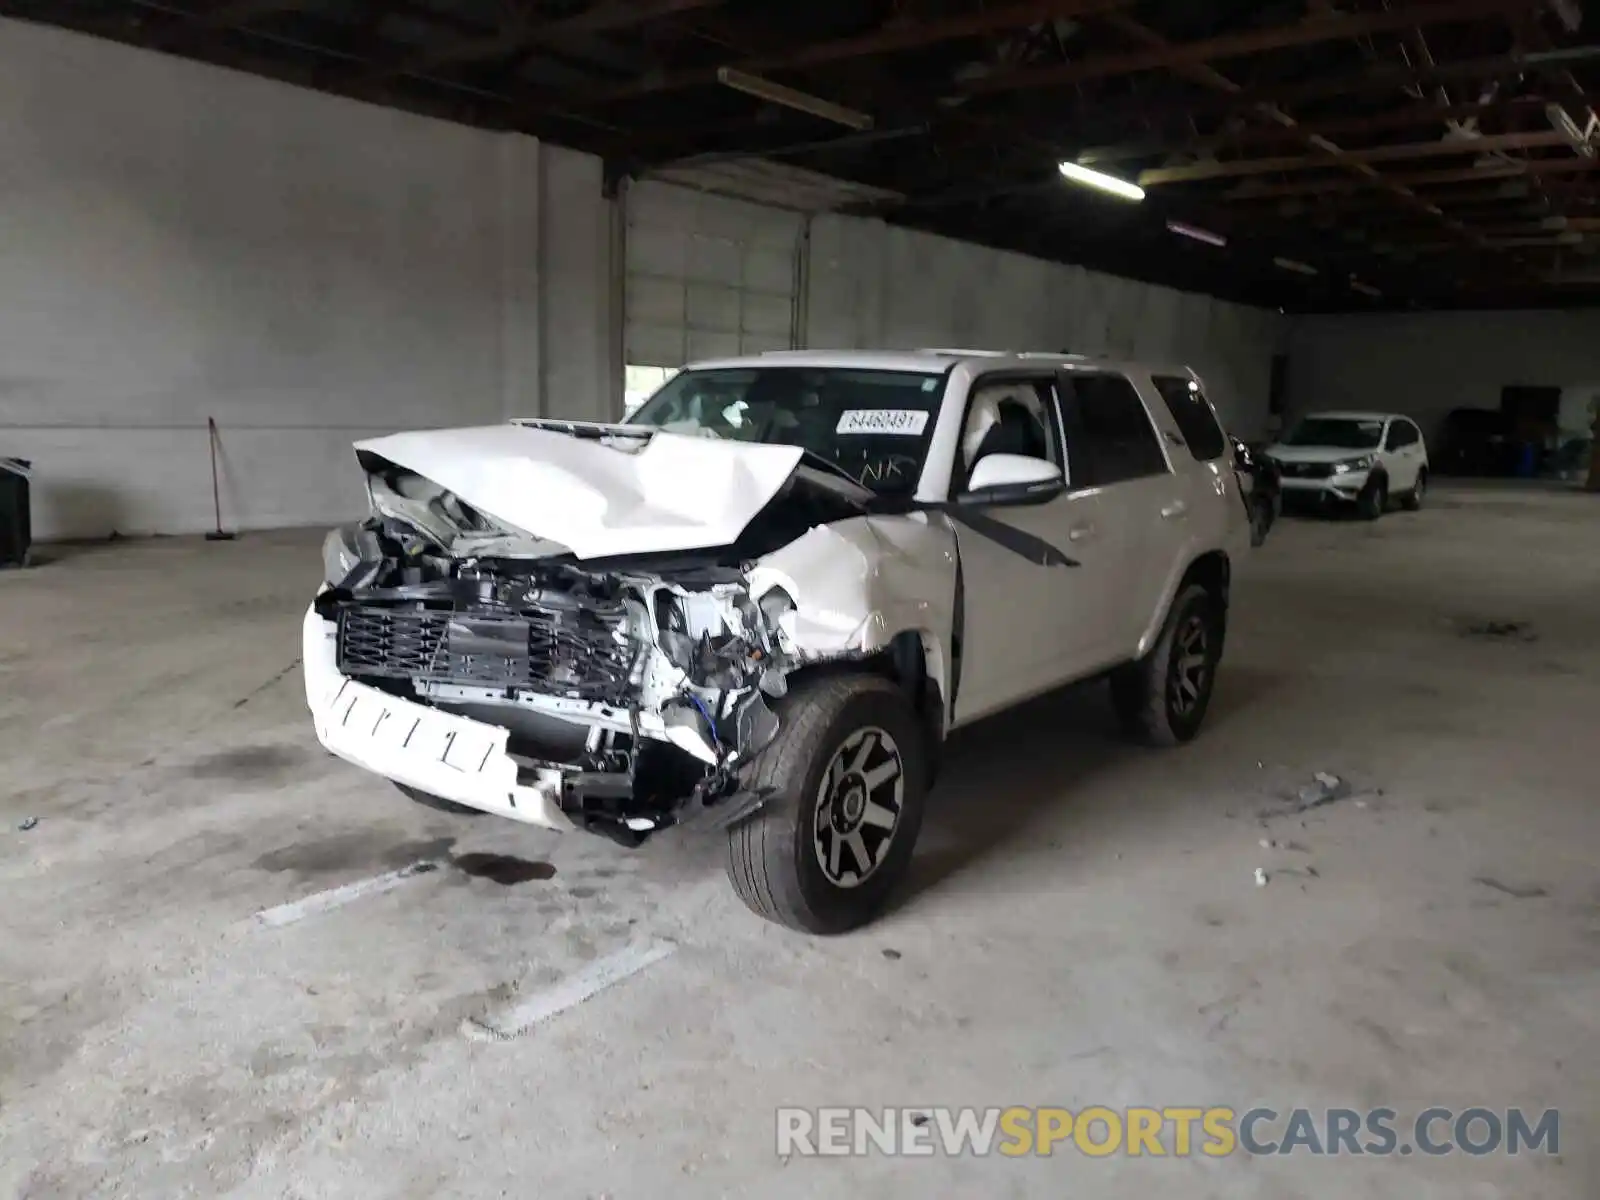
{"points": [[1080, 533], [1176, 509]]}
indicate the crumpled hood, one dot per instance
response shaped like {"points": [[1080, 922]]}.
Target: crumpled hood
{"points": [[623, 495]]}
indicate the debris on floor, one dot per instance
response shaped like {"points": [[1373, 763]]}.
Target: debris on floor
{"points": [[1307, 872], [1325, 788], [27, 824], [1261, 877], [1516, 892], [1504, 631], [890, 954]]}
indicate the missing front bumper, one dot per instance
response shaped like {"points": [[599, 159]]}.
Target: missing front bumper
{"points": [[471, 762]]}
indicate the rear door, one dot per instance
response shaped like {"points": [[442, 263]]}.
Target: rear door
{"points": [[1402, 454], [1202, 457], [1144, 506]]}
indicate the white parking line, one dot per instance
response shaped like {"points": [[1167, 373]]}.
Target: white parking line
{"points": [[571, 991], [321, 902]]}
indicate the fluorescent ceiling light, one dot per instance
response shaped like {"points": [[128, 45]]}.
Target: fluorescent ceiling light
{"points": [[1089, 177], [1366, 289], [788, 97], [1299, 268], [1199, 235]]}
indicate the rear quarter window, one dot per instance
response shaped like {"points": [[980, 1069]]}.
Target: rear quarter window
{"points": [[1193, 416]]}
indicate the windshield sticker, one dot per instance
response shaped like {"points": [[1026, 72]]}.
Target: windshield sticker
{"points": [[903, 422]]}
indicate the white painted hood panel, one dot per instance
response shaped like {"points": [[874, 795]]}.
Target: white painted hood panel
{"points": [[1314, 454], [600, 498]]}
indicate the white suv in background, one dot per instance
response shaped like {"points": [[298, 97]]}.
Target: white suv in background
{"points": [[764, 600], [1360, 458]]}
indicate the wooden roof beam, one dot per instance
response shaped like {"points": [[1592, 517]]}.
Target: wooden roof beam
{"points": [[1209, 77], [1421, 179], [1362, 83], [1405, 118], [228, 15], [524, 32], [1497, 144], [1170, 55], [891, 38]]}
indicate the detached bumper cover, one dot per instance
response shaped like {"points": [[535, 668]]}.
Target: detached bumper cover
{"points": [[446, 755]]}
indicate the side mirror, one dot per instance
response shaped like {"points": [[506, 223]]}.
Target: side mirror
{"points": [[1013, 479]]}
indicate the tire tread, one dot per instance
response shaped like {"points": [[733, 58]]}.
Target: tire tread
{"points": [[762, 854], [1139, 689]]}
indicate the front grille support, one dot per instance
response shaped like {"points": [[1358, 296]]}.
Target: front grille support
{"points": [[571, 652]]}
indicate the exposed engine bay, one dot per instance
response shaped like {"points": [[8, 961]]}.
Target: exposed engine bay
{"points": [[636, 685]]}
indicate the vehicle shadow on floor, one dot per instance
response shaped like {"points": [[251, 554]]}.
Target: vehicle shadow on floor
{"points": [[1005, 777], [1241, 690], [1007, 773]]}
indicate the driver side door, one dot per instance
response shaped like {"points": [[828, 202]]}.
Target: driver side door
{"points": [[1024, 624]]}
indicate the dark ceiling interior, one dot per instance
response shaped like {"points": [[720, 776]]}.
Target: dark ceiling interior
{"points": [[1353, 154]]}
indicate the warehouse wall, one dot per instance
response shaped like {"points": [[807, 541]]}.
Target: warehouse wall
{"points": [[871, 284], [1425, 364], [180, 242]]}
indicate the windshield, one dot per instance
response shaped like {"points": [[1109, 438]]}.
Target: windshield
{"points": [[1341, 433], [874, 426]]}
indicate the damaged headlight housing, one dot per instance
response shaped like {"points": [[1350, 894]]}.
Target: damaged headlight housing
{"points": [[719, 641], [346, 548], [694, 633], [774, 603], [339, 554]]}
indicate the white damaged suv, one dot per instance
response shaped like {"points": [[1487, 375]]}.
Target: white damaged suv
{"points": [[764, 601]]}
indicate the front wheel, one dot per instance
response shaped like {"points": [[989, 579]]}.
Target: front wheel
{"points": [[1373, 500], [844, 784], [1161, 700], [1412, 500], [1261, 518]]}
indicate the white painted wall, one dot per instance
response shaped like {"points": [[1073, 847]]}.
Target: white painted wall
{"points": [[873, 285], [180, 242], [708, 276], [1425, 364]]}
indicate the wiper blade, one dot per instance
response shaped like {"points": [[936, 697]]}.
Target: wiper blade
{"points": [[812, 459]]}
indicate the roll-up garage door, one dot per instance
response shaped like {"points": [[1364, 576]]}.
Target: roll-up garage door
{"points": [[707, 276]]}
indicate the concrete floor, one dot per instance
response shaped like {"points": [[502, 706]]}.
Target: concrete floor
{"points": [[1082, 927]]}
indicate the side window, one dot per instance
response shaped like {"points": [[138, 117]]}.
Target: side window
{"points": [[1194, 417], [1012, 416], [1110, 438], [1401, 435]]}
